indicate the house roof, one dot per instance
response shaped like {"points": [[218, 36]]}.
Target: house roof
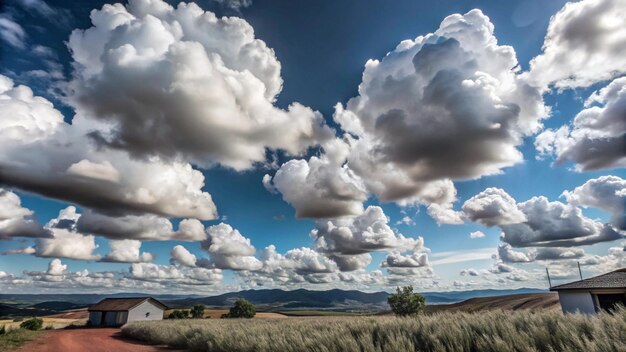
{"points": [[614, 279], [123, 304]]}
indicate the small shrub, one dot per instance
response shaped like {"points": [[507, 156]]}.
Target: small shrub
{"points": [[49, 327], [32, 324], [242, 309], [404, 302], [179, 314], [16, 320], [75, 326], [3, 330], [197, 311], [14, 338]]}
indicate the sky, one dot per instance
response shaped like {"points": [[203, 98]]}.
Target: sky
{"points": [[212, 146]]}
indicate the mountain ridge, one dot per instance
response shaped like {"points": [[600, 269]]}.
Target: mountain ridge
{"points": [[265, 299]]}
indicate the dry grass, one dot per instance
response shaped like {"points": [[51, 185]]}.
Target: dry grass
{"points": [[494, 331], [48, 322], [532, 301], [77, 314]]}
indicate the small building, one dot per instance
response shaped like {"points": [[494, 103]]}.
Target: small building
{"points": [[119, 311], [593, 295]]}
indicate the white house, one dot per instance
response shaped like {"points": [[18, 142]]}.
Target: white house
{"points": [[593, 295], [119, 311]]}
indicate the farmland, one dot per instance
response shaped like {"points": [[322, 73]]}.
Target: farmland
{"points": [[495, 330], [532, 301]]}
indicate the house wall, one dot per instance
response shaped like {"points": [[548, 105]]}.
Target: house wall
{"points": [[94, 318], [122, 317], [577, 301], [145, 311], [111, 318]]}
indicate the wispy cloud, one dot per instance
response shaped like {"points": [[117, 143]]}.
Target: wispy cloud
{"points": [[466, 255], [12, 32]]}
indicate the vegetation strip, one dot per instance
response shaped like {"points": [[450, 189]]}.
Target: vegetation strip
{"points": [[494, 331], [15, 338]]}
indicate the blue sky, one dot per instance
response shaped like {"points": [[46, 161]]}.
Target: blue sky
{"points": [[322, 48]]}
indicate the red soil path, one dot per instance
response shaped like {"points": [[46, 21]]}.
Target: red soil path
{"points": [[92, 340]]}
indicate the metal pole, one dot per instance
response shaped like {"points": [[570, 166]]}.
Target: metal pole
{"points": [[580, 271], [549, 282]]}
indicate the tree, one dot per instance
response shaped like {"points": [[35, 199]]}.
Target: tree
{"points": [[404, 302], [32, 324], [197, 311], [179, 314], [242, 309]]}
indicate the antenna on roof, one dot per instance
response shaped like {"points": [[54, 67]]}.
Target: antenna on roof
{"points": [[549, 282], [580, 271]]}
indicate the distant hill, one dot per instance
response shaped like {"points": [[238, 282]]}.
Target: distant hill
{"points": [[8, 310], [334, 299], [58, 306], [535, 301], [266, 299], [458, 296], [296, 299]]}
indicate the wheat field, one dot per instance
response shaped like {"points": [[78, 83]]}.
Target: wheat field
{"points": [[496, 331]]}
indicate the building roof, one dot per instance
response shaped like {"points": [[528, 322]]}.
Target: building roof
{"points": [[123, 304], [614, 279]]}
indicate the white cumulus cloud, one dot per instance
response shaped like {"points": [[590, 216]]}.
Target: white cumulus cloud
{"points": [[182, 82], [493, 206], [66, 242], [321, 187], [412, 119], [555, 224], [596, 138], [411, 132], [180, 255], [127, 251], [365, 233], [43, 154], [585, 44], [605, 192], [477, 234], [229, 249], [15, 220]]}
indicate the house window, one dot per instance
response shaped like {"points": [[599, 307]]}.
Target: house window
{"points": [[609, 302], [147, 314]]}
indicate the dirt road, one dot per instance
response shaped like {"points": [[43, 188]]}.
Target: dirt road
{"points": [[83, 340]]}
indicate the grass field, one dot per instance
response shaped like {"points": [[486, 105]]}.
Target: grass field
{"points": [[16, 338], [48, 322], [532, 301], [493, 331]]}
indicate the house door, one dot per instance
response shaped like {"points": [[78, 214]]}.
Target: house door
{"points": [[609, 302], [102, 318]]}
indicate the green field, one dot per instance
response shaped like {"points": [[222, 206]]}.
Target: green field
{"points": [[16, 338], [493, 331]]}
